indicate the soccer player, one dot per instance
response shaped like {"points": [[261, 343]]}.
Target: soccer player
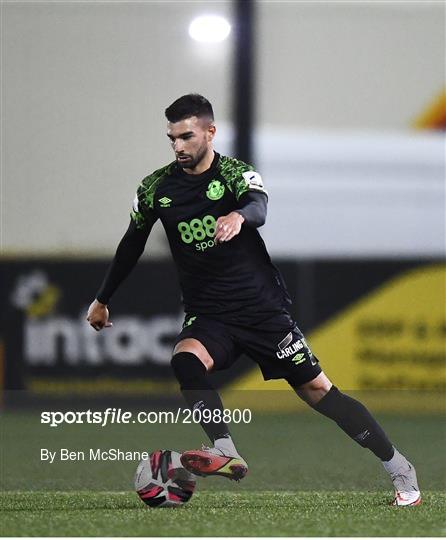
{"points": [[234, 297]]}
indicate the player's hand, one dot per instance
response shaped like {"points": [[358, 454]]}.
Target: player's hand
{"points": [[227, 227], [98, 315]]}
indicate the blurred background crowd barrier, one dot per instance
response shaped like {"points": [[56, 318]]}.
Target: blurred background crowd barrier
{"points": [[342, 109]]}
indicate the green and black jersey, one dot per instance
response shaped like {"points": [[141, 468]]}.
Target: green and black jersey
{"points": [[234, 280]]}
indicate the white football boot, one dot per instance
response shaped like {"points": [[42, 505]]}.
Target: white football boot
{"points": [[404, 478]]}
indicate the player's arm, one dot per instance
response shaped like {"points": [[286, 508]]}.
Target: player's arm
{"points": [[252, 212], [127, 254], [254, 208]]}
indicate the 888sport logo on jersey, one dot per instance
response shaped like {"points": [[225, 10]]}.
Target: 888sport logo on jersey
{"points": [[200, 231]]}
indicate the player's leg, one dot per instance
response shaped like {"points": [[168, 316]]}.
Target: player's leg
{"points": [[350, 415], [191, 363], [282, 352], [357, 422]]}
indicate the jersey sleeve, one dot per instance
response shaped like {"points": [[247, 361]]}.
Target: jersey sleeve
{"points": [[241, 177], [143, 214], [129, 250], [253, 207], [250, 181]]}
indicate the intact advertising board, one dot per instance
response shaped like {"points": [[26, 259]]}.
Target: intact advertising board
{"points": [[373, 325]]}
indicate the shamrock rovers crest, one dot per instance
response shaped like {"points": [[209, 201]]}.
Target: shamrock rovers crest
{"points": [[215, 190]]}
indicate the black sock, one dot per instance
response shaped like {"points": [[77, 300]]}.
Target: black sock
{"points": [[199, 394], [352, 417]]}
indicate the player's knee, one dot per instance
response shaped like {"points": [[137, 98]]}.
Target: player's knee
{"points": [[320, 384], [313, 391], [193, 346], [188, 369]]}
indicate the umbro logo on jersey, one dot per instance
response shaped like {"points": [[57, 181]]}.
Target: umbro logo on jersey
{"points": [[165, 202]]}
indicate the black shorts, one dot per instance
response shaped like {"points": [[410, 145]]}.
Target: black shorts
{"points": [[276, 345]]}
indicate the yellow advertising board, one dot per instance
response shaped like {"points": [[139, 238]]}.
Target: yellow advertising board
{"points": [[390, 345]]}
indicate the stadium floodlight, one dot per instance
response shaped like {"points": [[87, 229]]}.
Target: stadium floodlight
{"points": [[209, 29]]}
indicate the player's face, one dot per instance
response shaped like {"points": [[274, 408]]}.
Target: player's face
{"points": [[191, 140]]}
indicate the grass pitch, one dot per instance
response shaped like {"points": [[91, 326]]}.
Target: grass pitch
{"points": [[266, 513], [306, 478]]}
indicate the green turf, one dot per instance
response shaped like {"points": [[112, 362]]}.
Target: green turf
{"points": [[304, 452], [221, 514], [306, 478]]}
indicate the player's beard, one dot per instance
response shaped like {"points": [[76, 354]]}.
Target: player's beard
{"points": [[192, 162]]}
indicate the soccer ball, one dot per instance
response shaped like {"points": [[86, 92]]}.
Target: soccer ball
{"points": [[161, 481]]}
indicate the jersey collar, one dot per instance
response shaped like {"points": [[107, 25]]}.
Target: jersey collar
{"points": [[208, 172]]}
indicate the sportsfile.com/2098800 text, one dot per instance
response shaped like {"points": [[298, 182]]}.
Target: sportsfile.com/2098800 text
{"points": [[114, 415]]}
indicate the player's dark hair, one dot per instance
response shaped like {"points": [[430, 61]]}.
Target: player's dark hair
{"points": [[187, 106]]}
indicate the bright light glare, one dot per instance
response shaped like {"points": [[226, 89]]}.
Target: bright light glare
{"points": [[209, 29]]}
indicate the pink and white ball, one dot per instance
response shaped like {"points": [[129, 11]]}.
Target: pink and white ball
{"points": [[161, 481]]}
